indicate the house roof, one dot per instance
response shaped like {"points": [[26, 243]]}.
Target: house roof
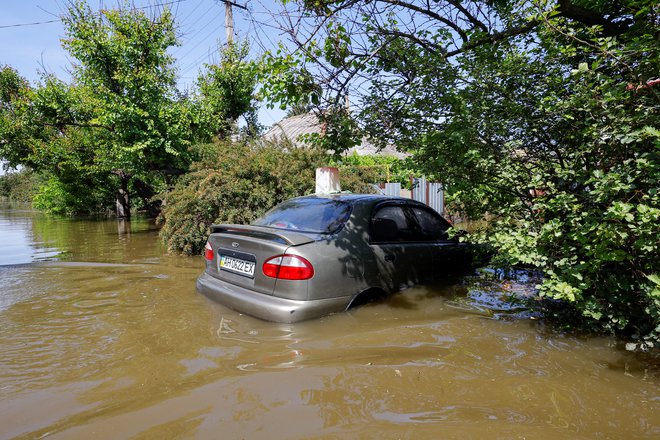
{"points": [[291, 129]]}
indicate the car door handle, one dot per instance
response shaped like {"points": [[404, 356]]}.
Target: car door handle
{"points": [[390, 257]]}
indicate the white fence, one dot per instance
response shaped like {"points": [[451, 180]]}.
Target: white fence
{"points": [[430, 193]]}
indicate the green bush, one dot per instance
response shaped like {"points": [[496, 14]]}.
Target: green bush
{"points": [[379, 168], [83, 197], [582, 206], [236, 183], [19, 186]]}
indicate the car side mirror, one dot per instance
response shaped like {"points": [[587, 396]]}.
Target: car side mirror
{"points": [[385, 229]]}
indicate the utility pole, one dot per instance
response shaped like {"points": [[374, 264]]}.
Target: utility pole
{"points": [[229, 32], [229, 20], [229, 24]]}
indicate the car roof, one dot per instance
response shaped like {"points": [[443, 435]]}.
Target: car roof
{"points": [[352, 198]]}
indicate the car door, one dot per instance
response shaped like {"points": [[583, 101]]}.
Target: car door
{"points": [[397, 250], [443, 253]]}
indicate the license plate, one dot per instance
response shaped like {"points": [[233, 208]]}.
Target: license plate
{"points": [[236, 265]]}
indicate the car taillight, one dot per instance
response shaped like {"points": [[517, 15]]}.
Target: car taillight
{"points": [[208, 251], [288, 267]]}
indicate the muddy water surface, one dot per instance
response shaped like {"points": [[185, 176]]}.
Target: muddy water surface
{"points": [[103, 336]]}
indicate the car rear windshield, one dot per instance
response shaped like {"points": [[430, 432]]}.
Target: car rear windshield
{"points": [[320, 216]]}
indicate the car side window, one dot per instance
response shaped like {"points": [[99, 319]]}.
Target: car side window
{"points": [[397, 215], [432, 227]]}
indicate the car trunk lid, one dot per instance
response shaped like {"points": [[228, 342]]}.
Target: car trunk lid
{"points": [[264, 233], [240, 251]]}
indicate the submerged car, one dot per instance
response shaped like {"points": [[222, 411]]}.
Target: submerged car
{"points": [[319, 254]]}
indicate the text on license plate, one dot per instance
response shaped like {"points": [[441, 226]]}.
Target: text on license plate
{"points": [[236, 265]]}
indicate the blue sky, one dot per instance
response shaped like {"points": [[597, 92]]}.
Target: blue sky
{"points": [[36, 48]]}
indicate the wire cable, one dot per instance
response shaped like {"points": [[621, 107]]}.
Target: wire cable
{"points": [[28, 24]]}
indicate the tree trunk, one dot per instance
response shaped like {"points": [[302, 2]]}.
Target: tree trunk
{"points": [[123, 200], [145, 192]]}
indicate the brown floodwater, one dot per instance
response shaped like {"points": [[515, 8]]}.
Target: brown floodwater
{"points": [[103, 336]]}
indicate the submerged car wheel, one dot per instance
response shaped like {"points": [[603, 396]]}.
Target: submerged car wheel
{"points": [[366, 297]]}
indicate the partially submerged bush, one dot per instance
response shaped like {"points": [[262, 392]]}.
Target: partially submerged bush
{"points": [[87, 195]]}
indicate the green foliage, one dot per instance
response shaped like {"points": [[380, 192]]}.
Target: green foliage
{"points": [[337, 46], [237, 182], [226, 92], [128, 80], [569, 166], [339, 133], [78, 197], [120, 115], [19, 131], [19, 186], [285, 80], [298, 109], [357, 180], [545, 120], [233, 183], [381, 168], [121, 120], [11, 86]]}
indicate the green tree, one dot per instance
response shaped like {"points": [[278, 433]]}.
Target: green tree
{"points": [[227, 92], [18, 186], [18, 131], [61, 154], [119, 124], [128, 76], [542, 114], [298, 109]]}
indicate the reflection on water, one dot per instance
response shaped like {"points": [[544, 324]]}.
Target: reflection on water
{"points": [[18, 243], [110, 340]]}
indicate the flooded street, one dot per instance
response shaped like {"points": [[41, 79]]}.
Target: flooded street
{"points": [[102, 335]]}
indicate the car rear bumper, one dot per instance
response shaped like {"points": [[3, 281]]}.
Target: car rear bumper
{"points": [[266, 307]]}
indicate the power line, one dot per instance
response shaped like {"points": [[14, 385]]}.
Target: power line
{"points": [[198, 30], [28, 24], [201, 33], [36, 23], [228, 2], [229, 31], [158, 4], [48, 12], [183, 20], [229, 26], [204, 38], [195, 63]]}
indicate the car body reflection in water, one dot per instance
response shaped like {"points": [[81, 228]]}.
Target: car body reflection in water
{"points": [[113, 341]]}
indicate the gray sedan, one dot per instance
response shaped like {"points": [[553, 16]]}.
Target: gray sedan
{"points": [[315, 255]]}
